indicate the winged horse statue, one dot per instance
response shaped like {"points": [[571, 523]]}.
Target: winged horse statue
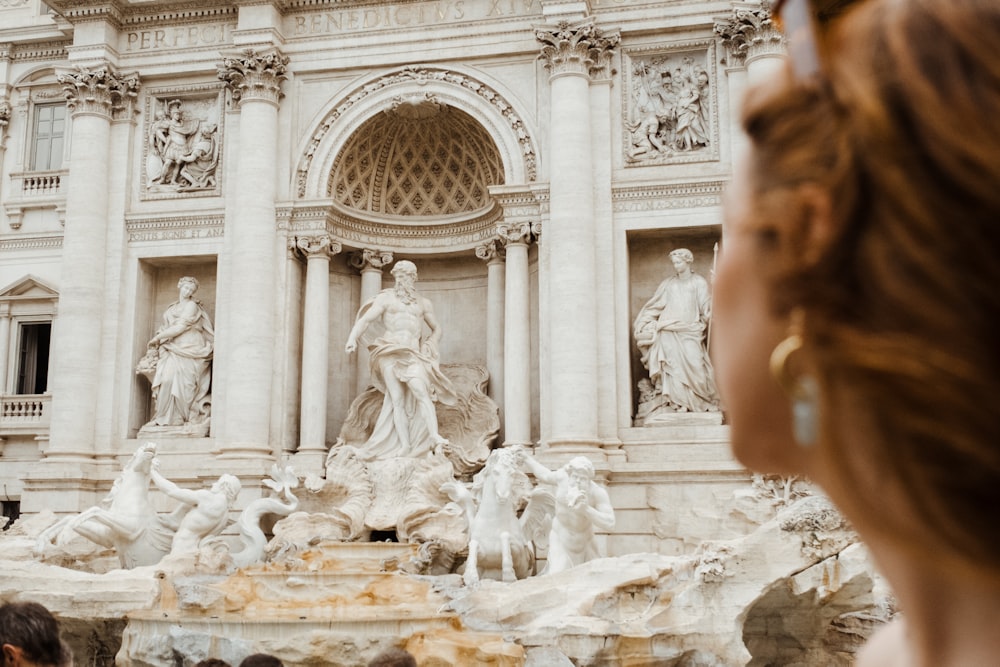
{"points": [[502, 542]]}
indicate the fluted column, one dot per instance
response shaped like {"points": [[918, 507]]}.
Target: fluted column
{"points": [[570, 51], [492, 253], [370, 263], [517, 333], [254, 80], [317, 250], [93, 96]]}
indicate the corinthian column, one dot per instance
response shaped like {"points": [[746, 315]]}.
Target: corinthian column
{"points": [[315, 344], [570, 52], [752, 40], [517, 334], [254, 79], [369, 262], [492, 253], [93, 96]]}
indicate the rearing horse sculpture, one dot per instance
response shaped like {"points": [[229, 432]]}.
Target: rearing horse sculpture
{"points": [[500, 542], [124, 521]]}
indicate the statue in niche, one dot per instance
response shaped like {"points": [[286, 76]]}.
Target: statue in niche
{"points": [[670, 332], [178, 364], [581, 506], [404, 367], [183, 152], [669, 109]]}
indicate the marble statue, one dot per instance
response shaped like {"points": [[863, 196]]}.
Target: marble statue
{"points": [[670, 332], [124, 521], [501, 543], [404, 367], [282, 481], [204, 512], [581, 506], [178, 364]]}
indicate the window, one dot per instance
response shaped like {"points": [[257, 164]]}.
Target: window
{"points": [[33, 357], [47, 139]]}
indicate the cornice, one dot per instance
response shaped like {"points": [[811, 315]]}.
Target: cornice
{"points": [[40, 51], [10, 243], [175, 227]]}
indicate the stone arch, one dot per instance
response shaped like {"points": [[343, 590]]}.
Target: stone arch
{"points": [[455, 87]]}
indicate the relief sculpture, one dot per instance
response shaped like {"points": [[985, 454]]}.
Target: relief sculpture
{"points": [[668, 113], [182, 148]]}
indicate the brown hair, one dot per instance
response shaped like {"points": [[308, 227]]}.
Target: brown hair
{"points": [[900, 305]]}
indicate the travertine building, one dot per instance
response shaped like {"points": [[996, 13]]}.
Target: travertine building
{"points": [[536, 159]]}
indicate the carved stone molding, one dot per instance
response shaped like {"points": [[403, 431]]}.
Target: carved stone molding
{"points": [[46, 242], [369, 258], [101, 91], [412, 74], [317, 245], [175, 228], [580, 48], [748, 33], [254, 76], [655, 197]]}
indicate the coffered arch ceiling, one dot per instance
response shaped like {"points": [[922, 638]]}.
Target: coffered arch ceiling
{"points": [[417, 158]]}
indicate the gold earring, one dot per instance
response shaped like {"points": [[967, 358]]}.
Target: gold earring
{"points": [[802, 389]]}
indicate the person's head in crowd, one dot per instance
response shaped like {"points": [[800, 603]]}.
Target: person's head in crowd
{"points": [[393, 657], [29, 637], [858, 290], [261, 660], [212, 662]]}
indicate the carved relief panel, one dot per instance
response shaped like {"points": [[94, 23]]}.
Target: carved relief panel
{"points": [[183, 138], [670, 113]]}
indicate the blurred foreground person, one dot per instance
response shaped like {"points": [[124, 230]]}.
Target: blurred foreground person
{"points": [[29, 637], [261, 660], [856, 301]]}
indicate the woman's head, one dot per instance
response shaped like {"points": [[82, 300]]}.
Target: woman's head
{"points": [[869, 202]]}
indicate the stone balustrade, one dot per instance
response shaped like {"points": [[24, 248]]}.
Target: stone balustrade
{"points": [[24, 414]]}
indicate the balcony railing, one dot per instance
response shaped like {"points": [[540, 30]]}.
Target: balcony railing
{"points": [[33, 185], [35, 189], [25, 414]]}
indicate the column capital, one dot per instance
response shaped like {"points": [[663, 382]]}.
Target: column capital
{"points": [[576, 48], [491, 251], [370, 259], [316, 245], [520, 232], [748, 33], [254, 75], [100, 91]]}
